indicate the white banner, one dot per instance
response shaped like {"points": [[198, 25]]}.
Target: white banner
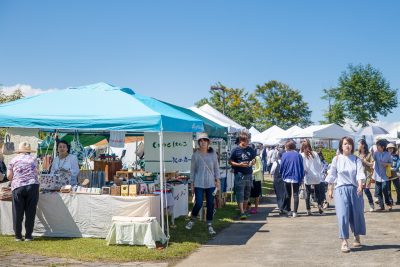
{"points": [[178, 150]]}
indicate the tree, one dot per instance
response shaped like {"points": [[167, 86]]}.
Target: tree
{"points": [[363, 94], [238, 104], [280, 105], [335, 113], [17, 94]]}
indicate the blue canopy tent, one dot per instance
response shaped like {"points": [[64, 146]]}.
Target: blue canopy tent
{"points": [[97, 108]]}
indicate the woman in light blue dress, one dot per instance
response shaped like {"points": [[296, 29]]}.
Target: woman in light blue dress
{"points": [[346, 178]]}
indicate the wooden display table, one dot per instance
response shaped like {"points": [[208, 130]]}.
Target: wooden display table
{"points": [[109, 167]]}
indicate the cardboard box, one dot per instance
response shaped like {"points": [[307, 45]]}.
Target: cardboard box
{"points": [[133, 190], [106, 190], [124, 190], [116, 190]]}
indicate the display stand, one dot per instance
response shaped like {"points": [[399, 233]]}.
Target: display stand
{"points": [[109, 167]]}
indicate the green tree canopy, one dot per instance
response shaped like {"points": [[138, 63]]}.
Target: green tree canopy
{"points": [[335, 112], [17, 94], [362, 94], [281, 105]]}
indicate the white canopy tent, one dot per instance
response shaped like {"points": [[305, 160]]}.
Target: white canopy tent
{"points": [[212, 114], [253, 131], [324, 131], [271, 136], [291, 132]]}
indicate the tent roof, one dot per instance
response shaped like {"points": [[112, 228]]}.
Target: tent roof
{"points": [[324, 131], [212, 128], [292, 131], [212, 118], [210, 113], [96, 107], [253, 131], [271, 135]]}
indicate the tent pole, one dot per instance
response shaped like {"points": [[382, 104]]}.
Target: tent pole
{"points": [[162, 179]]}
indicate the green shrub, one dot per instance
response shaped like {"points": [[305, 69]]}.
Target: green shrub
{"points": [[328, 154]]}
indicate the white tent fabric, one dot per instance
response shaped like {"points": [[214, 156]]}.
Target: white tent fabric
{"points": [[253, 131], [271, 136], [292, 131], [212, 111], [324, 131], [212, 114], [372, 130]]}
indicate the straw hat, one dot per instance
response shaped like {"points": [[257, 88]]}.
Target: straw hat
{"points": [[391, 145], [202, 136], [24, 147]]}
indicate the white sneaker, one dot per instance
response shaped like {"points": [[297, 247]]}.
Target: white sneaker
{"points": [[211, 230], [294, 214], [189, 225], [371, 208]]}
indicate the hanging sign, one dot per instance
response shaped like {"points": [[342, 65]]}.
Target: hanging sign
{"points": [[117, 139], [178, 150]]}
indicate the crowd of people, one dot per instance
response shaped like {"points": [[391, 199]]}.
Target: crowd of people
{"points": [[305, 172]]}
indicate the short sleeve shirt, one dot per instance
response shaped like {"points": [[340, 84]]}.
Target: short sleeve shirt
{"points": [[24, 168], [239, 155]]}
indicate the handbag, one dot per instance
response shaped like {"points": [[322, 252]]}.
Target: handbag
{"points": [[8, 146], [388, 171], [77, 148]]}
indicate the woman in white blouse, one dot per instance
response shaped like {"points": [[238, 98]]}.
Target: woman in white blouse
{"points": [[312, 175], [347, 176], [66, 162]]}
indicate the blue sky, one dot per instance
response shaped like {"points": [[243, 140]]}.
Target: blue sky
{"points": [[174, 50]]}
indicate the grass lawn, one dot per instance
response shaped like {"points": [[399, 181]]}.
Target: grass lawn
{"points": [[181, 244], [267, 185]]}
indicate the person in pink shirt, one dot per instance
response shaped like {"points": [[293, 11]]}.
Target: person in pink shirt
{"points": [[22, 172]]}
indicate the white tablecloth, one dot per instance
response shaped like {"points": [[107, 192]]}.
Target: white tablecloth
{"points": [[80, 215], [136, 232], [180, 200]]}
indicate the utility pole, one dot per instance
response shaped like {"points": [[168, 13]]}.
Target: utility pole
{"points": [[220, 88]]}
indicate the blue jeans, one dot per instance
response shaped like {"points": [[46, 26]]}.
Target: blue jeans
{"points": [[198, 202], [381, 190], [369, 196]]}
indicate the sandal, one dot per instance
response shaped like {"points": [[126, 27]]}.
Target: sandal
{"points": [[345, 248]]}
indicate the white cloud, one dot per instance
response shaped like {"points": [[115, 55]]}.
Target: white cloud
{"points": [[26, 90]]}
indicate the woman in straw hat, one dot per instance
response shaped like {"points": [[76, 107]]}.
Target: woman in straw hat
{"points": [[205, 178], [22, 172]]}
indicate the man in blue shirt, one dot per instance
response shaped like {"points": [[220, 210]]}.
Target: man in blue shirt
{"points": [[241, 160]]}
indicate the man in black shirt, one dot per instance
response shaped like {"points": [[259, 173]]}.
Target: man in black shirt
{"points": [[242, 160]]}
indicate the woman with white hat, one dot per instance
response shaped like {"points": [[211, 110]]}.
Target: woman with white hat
{"points": [[22, 172], [205, 178]]}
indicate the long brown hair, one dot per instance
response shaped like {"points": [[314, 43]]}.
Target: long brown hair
{"points": [[306, 149]]}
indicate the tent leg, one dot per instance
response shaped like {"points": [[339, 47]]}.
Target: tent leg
{"points": [[162, 179]]}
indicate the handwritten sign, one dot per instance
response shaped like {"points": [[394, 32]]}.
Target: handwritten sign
{"points": [[178, 150]]}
